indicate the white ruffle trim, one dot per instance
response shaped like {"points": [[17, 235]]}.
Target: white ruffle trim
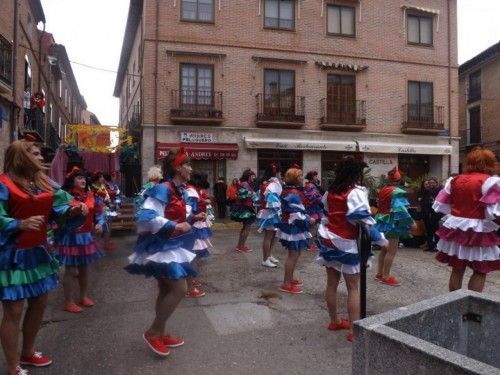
{"points": [[343, 268], [202, 245], [202, 224], [343, 244], [296, 216], [293, 237], [274, 187], [266, 213], [475, 253], [463, 223], [443, 208], [153, 225], [192, 193], [155, 205], [492, 211], [489, 183], [179, 255]]}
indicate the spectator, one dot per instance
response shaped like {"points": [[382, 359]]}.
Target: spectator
{"points": [[220, 189]]}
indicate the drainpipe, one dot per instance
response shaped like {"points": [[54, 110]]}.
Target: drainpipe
{"points": [[155, 136], [449, 81], [39, 79], [13, 117]]}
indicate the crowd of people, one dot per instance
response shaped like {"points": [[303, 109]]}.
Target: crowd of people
{"points": [[43, 225]]}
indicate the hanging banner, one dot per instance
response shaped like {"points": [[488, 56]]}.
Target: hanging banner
{"points": [[96, 138]]}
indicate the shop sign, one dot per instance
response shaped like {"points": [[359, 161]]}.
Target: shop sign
{"points": [[301, 145], [197, 137]]}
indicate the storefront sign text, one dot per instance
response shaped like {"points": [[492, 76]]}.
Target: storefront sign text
{"points": [[205, 155], [195, 137]]}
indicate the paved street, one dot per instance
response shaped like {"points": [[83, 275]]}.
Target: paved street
{"points": [[243, 325]]}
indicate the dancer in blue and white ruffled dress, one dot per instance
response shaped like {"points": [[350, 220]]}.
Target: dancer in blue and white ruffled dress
{"points": [[163, 246], [346, 205], [269, 215]]}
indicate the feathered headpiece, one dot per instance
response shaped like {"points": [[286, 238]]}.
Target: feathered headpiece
{"points": [[179, 159], [30, 137]]}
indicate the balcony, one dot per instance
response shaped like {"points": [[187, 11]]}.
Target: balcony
{"points": [[52, 141], [343, 115], [424, 119], [280, 111], [35, 124], [196, 107]]}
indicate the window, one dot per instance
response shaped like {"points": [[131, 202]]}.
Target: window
{"points": [[279, 14], [279, 92], [420, 29], [198, 10], [196, 84], [474, 86], [5, 60], [60, 89], [420, 102], [27, 74], [475, 125], [66, 97], [340, 20]]}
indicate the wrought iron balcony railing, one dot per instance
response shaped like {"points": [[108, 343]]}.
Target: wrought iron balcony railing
{"points": [[196, 104], [423, 118], [342, 112], [280, 108]]}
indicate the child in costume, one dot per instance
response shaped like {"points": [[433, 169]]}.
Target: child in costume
{"points": [[242, 210], [468, 236], [394, 221], [197, 209], [77, 247], [314, 207], [28, 271], [294, 229], [163, 246], [346, 205], [269, 214], [115, 197]]}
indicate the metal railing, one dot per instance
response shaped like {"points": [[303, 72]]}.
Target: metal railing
{"points": [[52, 141], [196, 104], [423, 116], [35, 123], [284, 108], [343, 112]]}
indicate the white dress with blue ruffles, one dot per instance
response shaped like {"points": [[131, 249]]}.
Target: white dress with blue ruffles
{"points": [[269, 216]]}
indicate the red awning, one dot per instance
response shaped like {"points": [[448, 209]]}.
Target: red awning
{"points": [[202, 151]]}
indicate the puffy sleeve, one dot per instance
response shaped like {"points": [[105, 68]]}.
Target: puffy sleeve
{"points": [[358, 207], [272, 196], [294, 205], [244, 191], [100, 212], [358, 212], [61, 204], [192, 203], [443, 199], [151, 216], [8, 225], [491, 197]]}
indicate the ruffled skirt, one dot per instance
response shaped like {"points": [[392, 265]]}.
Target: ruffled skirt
{"points": [[159, 257], [243, 214], [202, 234], [295, 236], [268, 219], [78, 249]]}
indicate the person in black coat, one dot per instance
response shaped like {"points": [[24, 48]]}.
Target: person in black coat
{"points": [[220, 188], [429, 216]]}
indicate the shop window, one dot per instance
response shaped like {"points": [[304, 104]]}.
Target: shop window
{"points": [[284, 158], [413, 166]]}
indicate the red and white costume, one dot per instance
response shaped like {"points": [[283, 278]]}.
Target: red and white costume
{"points": [[469, 236]]}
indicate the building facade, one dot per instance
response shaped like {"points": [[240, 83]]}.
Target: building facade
{"points": [[479, 102], [245, 83], [38, 90]]}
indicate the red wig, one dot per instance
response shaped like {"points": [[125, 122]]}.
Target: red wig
{"points": [[480, 160]]}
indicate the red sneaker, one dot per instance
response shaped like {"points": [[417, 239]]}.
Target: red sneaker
{"points": [[243, 249], [349, 337], [297, 282], [289, 288], [343, 324], [379, 277], [391, 280], [36, 359], [195, 293], [156, 344], [73, 308], [172, 342], [86, 302]]}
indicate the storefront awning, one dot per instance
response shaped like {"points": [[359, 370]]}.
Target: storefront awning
{"points": [[294, 144], [202, 151], [421, 9], [341, 66], [397, 148]]}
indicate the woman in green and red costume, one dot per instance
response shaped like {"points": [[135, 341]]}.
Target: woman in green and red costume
{"points": [[27, 270], [394, 221]]}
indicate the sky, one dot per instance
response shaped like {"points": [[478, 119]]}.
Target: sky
{"points": [[92, 31]]}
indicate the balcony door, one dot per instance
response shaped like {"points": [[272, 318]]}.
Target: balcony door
{"points": [[420, 102], [341, 99], [279, 92], [196, 86]]}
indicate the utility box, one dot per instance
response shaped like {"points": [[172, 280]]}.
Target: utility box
{"points": [[456, 333]]}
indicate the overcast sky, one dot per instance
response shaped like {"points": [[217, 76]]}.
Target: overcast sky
{"points": [[92, 31]]}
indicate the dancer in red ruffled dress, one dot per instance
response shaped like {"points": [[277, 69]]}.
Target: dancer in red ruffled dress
{"points": [[468, 236]]}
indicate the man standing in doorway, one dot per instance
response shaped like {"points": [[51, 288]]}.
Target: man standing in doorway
{"points": [[220, 197]]}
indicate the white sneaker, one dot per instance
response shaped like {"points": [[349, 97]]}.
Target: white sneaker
{"points": [[273, 259], [268, 263]]}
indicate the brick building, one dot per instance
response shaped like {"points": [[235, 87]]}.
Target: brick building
{"points": [[30, 63], [479, 102], [245, 83]]}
